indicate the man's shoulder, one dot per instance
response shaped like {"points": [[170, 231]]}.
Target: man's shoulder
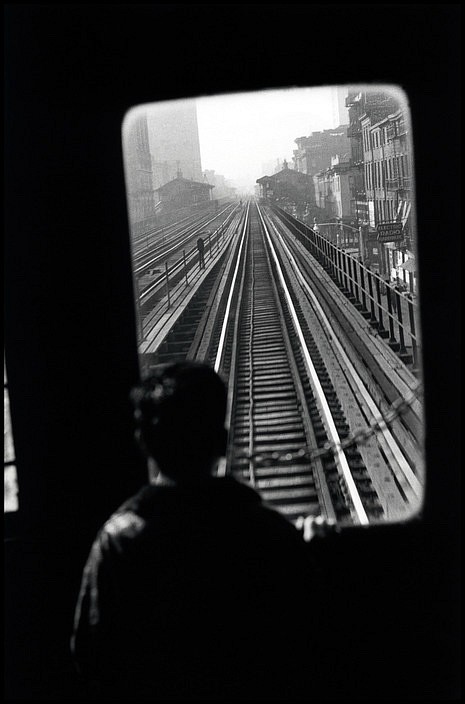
{"points": [[122, 528], [228, 505], [124, 523]]}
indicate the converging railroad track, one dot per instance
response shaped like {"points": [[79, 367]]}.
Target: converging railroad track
{"points": [[305, 430], [270, 410]]}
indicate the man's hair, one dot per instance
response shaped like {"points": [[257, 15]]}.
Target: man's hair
{"points": [[180, 411]]}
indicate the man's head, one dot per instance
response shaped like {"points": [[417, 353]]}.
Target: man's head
{"points": [[180, 413]]}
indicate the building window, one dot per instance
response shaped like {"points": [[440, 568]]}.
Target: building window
{"points": [[367, 136], [406, 165]]}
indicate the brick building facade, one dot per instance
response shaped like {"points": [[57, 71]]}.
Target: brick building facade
{"points": [[314, 153], [334, 188], [388, 182], [361, 103]]}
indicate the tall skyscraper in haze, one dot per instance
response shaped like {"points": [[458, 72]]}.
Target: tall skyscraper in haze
{"points": [[138, 172], [174, 142], [338, 101]]}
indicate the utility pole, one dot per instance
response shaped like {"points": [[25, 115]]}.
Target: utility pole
{"points": [[362, 241]]}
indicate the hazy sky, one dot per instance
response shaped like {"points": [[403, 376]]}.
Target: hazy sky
{"points": [[241, 132]]}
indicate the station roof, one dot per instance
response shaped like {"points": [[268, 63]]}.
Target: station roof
{"points": [[197, 185], [285, 175]]}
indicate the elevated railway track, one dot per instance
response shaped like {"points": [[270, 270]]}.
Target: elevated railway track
{"points": [[311, 427]]}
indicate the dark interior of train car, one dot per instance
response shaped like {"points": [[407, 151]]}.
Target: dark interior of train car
{"points": [[72, 73]]}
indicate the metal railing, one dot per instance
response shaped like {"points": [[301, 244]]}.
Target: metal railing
{"points": [[387, 309], [183, 268]]}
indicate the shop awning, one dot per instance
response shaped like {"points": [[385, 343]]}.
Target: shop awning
{"points": [[409, 265]]}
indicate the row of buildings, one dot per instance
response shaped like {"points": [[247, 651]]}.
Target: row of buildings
{"points": [[163, 164], [304, 186], [358, 175]]}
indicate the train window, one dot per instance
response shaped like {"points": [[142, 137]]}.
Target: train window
{"points": [[262, 245], [9, 460]]}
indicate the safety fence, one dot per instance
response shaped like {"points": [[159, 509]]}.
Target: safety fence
{"points": [[390, 311], [186, 268], [192, 259]]}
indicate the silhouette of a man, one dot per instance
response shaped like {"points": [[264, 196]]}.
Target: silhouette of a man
{"points": [[193, 588], [201, 248]]}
